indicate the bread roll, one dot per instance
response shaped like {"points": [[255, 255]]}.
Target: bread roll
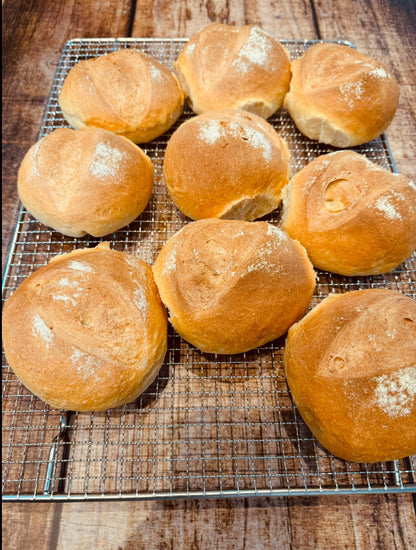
{"points": [[90, 181], [351, 367], [224, 66], [126, 92], [352, 216], [340, 96], [87, 332], [232, 285], [226, 164]]}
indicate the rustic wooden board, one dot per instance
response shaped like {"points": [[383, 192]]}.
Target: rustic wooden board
{"points": [[33, 36], [183, 19], [303, 523], [385, 30]]}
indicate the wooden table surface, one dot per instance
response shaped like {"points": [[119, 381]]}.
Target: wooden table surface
{"points": [[34, 33]]}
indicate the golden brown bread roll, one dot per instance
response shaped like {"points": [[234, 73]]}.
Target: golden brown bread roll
{"points": [[351, 368], [232, 285], [352, 216], [226, 164], [87, 332], [340, 96], [126, 92], [90, 181], [223, 66]]}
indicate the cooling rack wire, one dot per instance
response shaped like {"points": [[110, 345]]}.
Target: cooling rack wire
{"points": [[209, 425]]}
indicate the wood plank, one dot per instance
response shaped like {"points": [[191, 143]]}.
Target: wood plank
{"points": [[34, 34], [183, 18], [355, 522], [385, 30], [331, 522], [29, 525]]}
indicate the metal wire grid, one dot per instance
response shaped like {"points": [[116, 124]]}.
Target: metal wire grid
{"points": [[209, 425]]}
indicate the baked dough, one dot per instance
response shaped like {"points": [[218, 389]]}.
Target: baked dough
{"points": [[87, 332], [126, 92], [232, 285], [351, 368], [226, 164], [352, 216], [90, 181], [340, 96], [224, 66]]}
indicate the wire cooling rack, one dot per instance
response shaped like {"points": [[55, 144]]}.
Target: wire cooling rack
{"points": [[209, 425]]}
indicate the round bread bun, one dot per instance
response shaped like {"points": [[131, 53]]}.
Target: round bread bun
{"points": [[223, 66], [87, 332], [352, 216], [226, 164], [90, 181], [351, 367], [340, 96], [126, 92], [231, 285]]}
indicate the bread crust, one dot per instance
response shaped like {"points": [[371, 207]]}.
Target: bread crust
{"points": [[126, 92], [224, 66], [351, 367], [226, 164], [353, 216], [90, 181], [231, 285], [87, 332], [340, 96]]}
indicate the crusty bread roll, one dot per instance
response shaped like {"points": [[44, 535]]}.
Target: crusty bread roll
{"points": [[87, 332], [90, 181], [351, 367], [232, 285], [226, 164], [223, 66], [340, 96], [352, 216], [126, 92]]}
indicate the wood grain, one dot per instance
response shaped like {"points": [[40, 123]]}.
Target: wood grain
{"points": [[385, 30], [28, 526], [329, 523], [33, 36], [159, 18]]}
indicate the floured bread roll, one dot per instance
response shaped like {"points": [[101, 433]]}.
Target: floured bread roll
{"points": [[126, 92], [352, 216], [90, 181], [340, 96], [351, 368], [224, 66], [232, 285], [88, 331], [226, 164]]}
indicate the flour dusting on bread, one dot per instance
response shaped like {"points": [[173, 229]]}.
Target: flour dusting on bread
{"points": [[384, 205], [106, 160], [395, 393], [80, 266], [40, 328], [255, 52], [210, 131]]}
